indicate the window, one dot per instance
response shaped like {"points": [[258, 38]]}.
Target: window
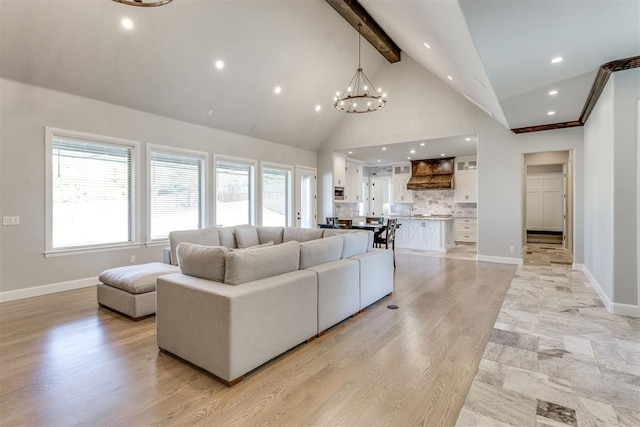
{"points": [[234, 192], [276, 196], [90, 191], [176, 191]]}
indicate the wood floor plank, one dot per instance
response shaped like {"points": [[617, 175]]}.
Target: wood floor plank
{"points": [[64, 361]]}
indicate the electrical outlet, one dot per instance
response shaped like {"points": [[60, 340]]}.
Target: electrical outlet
{"points": [[512, 248], [133, 259], [10, 220]]}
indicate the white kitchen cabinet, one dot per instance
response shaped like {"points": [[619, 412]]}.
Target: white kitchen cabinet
{"points": [[339, 170], [466, 230], [400, 177], [353, 182], [545, 202], [466, 180]]}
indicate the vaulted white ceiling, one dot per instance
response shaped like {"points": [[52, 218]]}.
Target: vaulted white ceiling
{"points": [[496, 51]]}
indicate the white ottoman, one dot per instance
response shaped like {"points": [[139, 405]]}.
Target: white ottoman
{"points": [[131, 290]]}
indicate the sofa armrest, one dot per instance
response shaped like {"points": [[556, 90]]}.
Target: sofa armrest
{"points": [[166, 255], [230, 330]]}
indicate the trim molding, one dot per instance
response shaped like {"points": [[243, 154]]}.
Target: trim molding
{"points": [[499, 259], [53, 288], [538, 128], [612, 307], [592, 99]]}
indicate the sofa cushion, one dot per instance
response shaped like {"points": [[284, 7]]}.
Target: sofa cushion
{"points": [[301, 234], [246, 237], [274, 234], [202, 236], [206, 262], [328, 232], [251, 248], [354, 244], [320, 251], [136, 279], [247, 266], [227, 237]]}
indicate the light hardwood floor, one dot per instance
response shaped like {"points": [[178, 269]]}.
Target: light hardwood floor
{"points": [[64, 361]]}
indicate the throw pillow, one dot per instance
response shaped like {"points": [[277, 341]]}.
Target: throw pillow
{"points": [[246, 237], [206, 262]]}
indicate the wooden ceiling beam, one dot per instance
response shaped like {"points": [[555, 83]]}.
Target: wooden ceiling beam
{"points": [[355, 14]]}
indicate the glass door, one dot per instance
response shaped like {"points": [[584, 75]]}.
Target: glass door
{"points": [[306, 197]]}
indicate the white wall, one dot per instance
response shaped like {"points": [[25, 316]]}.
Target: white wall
{"points": [[421, 106], [611, 193], [25, 111]]}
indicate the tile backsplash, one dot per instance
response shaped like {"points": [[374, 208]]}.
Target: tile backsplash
{"points": [[435, 202], [345, 210]]}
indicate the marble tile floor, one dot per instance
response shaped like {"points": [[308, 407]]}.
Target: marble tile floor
{"points": [[546, 254], [556, 357], [460, 251]]}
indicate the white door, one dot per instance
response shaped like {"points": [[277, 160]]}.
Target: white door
{"points": [[306, 197], [379, 194]]}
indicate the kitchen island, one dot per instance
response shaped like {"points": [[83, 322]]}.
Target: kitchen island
{"points": [[427, 233]]}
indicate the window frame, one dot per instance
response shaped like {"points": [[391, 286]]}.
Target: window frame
{"points": [[204, 208], [135, 241], [289, 207], [253, 189]]}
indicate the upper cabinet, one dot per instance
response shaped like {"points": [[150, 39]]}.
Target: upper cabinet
{"points": [[353, 181], [400, 177], [466, 180], [339, 170]]}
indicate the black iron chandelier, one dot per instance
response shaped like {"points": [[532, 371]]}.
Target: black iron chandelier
{"points": [[360, 96]]}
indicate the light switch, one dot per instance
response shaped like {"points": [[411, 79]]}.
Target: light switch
{"points": [[10, 220]]}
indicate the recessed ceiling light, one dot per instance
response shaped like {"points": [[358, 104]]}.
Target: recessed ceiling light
{"points": [[127, 23], [350, 152], [379, 160], [557, 59], [551, 113], [450, 78], [422, 144], [409, 158], [219, 64], [210, 113], [442, 155], [277, 90], [553, 92], [384, 148], [467, 139], [427, 45], [412, 151], [318, 107]]}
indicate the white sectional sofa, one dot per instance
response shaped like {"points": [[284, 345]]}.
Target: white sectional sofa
{"points": [[229, 311]]}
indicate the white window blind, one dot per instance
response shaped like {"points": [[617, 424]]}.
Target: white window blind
{"points": [[234, 193], [92, 193], [276, 196], [176, 185]]}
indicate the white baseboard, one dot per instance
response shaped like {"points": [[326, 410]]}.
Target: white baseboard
{"points": [[612, 307], [37, 291], [499, 259]]}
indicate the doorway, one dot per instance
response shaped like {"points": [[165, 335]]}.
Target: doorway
{"points": [[306, 197], [548, 208]]}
